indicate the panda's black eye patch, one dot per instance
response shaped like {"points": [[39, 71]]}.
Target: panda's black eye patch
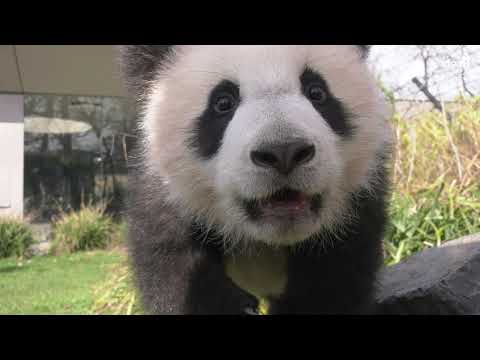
{"points": [[316, 90], [210, 127]]}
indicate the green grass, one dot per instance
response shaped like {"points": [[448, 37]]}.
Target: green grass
{"points": [[117, 295], [54, 284]]}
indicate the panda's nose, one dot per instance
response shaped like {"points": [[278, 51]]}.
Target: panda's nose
{"points": [[283, 157]]}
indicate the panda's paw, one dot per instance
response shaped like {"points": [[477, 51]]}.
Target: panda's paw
{"points": [[251, 311], [237, 301], [248, 305]]}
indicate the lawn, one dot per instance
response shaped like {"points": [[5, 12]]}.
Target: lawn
{"points": [[61, 284]]}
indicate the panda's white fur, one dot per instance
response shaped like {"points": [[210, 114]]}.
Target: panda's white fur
{"points": [[272, 108]]}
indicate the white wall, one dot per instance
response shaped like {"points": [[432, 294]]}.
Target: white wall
{"points": [[11, 155]]}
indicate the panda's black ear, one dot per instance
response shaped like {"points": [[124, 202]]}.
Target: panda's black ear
{"points": [[365, 50], [138, 64]]}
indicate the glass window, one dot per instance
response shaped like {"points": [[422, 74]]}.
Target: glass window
{"points": [[76, 151]]}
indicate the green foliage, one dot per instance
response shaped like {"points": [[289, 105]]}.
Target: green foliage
{"points": [[436, 194], [422, 221], [15, 237], [86, 229]]}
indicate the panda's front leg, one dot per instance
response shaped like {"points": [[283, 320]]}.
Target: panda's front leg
{"points": [[211, 291], [336, 282], [186, 279]]}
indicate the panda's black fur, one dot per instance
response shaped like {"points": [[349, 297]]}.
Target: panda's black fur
{"points": [[178, 271]]}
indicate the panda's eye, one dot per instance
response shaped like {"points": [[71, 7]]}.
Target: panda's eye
{"points": [[317, 94], [224, 104]]}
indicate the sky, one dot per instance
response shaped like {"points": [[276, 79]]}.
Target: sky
{"points": [[395, 66]]}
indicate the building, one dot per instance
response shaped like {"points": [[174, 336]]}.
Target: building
{"points": [[60, 105]]}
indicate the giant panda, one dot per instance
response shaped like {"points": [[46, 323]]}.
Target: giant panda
{"points": [[261, 174]]}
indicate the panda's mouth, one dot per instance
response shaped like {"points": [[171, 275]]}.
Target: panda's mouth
{"points": [[285, 203]]}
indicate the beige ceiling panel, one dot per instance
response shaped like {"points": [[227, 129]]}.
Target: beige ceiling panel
{"points": [[9, 80], [69, 70]]}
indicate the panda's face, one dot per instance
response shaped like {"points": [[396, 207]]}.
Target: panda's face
{"points": [[265, 142]]}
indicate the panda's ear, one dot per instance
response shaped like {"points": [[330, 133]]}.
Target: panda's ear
{"points": [[365, 50], [139, 63]]}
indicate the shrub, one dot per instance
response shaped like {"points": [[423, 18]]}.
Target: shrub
{"points": [[15, 237], [86, 229]]}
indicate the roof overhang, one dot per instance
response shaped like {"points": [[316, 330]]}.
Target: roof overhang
{"points": [[88, 70]]}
